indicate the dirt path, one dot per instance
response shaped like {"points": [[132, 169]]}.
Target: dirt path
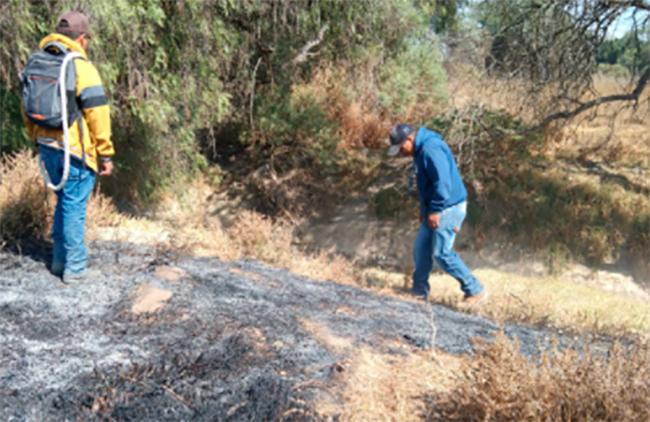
{"points": [[164, 337]]}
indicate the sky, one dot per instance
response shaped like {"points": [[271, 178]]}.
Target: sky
{"points": [[622, 25]]}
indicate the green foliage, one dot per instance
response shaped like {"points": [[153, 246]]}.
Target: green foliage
{"points": [[631, 51], [298, 127], [414, 78], [446, 15], [12, 134], [177, 69]]}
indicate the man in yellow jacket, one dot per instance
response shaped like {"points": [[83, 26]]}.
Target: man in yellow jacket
{"points": [[90, 147]]}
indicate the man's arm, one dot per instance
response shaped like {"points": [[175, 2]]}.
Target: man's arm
{"points": [[94, 106], [437, 169]]}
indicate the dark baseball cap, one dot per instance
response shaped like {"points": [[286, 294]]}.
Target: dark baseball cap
{"points": [[73, 23], [397, 136]]}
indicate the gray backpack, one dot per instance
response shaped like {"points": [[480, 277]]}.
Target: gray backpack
{"points": [[41, 91]]}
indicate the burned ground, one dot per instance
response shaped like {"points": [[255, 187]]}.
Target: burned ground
{"points": [[236, 340]]}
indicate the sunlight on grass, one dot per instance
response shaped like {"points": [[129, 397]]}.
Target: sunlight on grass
{"points": [[553, 301]]}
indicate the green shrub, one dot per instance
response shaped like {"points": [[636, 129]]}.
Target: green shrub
{"points": [[413, 82], [175, 69], [12, 134], [617, 71]]}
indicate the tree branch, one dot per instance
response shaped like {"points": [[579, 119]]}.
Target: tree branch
{"points": [[632, 96], [304, 52], [252, 97], [639, 4]]}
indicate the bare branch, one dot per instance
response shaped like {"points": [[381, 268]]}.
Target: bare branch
{"points": [[304, 52], [632, 96], [639, 4], [252, 97]]}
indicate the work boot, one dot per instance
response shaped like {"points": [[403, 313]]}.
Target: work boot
{"points": [[56, 269], [423, 295], [82, 277], [475, 300]]}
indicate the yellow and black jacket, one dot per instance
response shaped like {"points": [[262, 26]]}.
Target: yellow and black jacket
{"points": [[94, 140]]}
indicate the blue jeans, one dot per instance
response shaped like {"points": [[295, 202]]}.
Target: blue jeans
{"points": [[438, 244], [69, 256]]}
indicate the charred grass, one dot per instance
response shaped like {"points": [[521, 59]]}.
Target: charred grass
{"points": [[183, 384]]}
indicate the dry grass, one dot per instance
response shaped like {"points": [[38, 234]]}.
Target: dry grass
{"points": [[549, 301], [193, 229], [500, 384], [27, 206], [24, 210], [380, 387], [259, 238], [615, 132], [553, 301], [593, 217]]}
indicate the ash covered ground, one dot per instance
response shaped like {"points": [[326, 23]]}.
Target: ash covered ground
{"points": [[235, 341]]}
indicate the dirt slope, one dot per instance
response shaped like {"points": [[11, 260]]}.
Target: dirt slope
{"points": [[157, 336]]}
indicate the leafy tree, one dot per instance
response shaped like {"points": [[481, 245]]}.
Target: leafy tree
{"points": [[179, 71], [632, 51]]}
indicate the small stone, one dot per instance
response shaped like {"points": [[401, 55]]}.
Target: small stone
{"points": [[149, 299], [169, 273]]}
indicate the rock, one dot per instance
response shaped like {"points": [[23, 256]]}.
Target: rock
{"points": [[169, 273], [149, 299]]}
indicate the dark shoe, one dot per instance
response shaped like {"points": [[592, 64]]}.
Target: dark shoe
{"points": [[475, 300], [420, 295]]}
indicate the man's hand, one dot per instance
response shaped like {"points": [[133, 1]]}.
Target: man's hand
{"points": [[106, 168], [434, 220]]}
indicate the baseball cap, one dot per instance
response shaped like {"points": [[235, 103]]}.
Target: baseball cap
{"points": [[73, 23], [397, 136]]}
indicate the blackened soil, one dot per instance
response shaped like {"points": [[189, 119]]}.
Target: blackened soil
{"points": [[235, 342]]}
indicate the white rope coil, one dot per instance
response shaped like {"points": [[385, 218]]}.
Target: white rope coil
{"points": [[66, 129]]}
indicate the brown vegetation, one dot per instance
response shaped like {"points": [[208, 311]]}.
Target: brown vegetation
{"points": [[500, 384], [27, 206]]}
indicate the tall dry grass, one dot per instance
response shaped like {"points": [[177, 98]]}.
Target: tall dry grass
{"points": [[27, 206], [242, 233], [24, 207], [616, 132], [259, 237], [501, 384]]}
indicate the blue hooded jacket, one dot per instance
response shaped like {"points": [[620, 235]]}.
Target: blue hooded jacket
{"points": [[438, 179]]}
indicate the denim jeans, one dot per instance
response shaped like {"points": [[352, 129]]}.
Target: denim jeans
{"points": [[69, 256], [438, 244]]}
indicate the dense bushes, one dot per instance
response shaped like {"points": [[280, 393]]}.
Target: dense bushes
{"points": [[175, 69]]}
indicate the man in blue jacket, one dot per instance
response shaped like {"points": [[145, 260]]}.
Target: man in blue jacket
{"points": [[443, 206]]}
